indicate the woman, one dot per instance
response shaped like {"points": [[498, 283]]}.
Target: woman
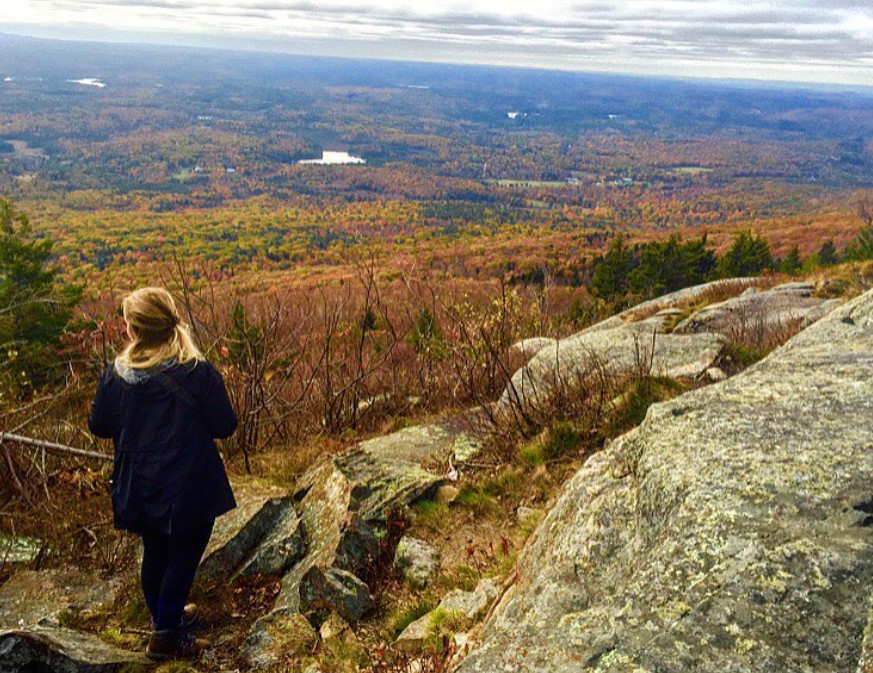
{"points": [[163, 405]]}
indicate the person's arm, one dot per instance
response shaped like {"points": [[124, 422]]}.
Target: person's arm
{"points": [[100, 418], [218, 413]]}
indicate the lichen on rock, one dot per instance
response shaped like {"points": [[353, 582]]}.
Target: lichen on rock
{"points": [[726, 533]]}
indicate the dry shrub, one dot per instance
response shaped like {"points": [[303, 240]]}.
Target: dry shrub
{"points": [[753, 336]]}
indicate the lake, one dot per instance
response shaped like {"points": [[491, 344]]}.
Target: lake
{"points": [[88, 81]]}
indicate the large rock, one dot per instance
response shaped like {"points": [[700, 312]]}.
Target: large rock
{"points": [[634, 347], [32, 597], [525, 349], [782, 307], [687, 297], [728, 533], [282, 546], [262, 535], [59, 650], [336, 591]]}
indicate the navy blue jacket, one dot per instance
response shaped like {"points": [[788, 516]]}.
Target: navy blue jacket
{"points": [[167, 475]]}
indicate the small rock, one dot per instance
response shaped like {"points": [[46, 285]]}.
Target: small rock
{"points": [[276, 637], [715, 374], [338, 590], [333, 626], [474, 604], [446, 495], [415, 635], [417, 561]]}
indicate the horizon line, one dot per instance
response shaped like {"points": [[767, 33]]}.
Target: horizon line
{"points": [[195, 41]]}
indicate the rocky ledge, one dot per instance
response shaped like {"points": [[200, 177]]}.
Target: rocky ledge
{"points": [[729, 532]]}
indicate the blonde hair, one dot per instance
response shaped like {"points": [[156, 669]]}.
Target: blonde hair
{"points": [[156, 330]]}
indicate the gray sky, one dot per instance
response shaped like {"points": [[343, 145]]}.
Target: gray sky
{"points": [[798, 40]]}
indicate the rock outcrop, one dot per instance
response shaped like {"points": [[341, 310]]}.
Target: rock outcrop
{"points": [[60, 650], [31, 598], [633, 347], [781, 307], [262, 535], [344, 504], [655, 336], [525, 349], [680, 298], [730, 532]]}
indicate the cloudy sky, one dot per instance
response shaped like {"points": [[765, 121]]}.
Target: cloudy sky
{"points": [[794, 40]]}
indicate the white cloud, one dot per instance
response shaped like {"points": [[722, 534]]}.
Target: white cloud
{"points": [[827, 40]]}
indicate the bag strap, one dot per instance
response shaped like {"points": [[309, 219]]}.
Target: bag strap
{"points": [[167, 382]]}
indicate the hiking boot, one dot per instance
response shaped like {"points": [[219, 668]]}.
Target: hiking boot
{"points": [[167, 645], [189, 617]]}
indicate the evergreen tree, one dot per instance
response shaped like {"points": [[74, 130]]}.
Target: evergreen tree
{"points": [[827, 254], [792, 262], [670, 265], [862, 247], [748, 256], [610, 277], [427, 337], [35, 308]]}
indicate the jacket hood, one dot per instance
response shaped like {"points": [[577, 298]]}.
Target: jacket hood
{"points": [[135, 376]]}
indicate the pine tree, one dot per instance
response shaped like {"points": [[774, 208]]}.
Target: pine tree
{"points": [[792, 262], [427, 337], [827, 254], [610, 278], [35, 307], [862, 247], [748, 256], [670, 265]]}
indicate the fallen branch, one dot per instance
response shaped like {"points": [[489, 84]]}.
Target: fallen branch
{"points": [[8, 437]]}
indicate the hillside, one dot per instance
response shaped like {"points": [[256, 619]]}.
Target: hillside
{"points": [[482, 171], [726, 532]]}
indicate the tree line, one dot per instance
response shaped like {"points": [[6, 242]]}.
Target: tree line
{"points": [[626, 274]]}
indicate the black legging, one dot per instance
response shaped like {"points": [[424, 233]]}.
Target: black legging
{"points": [[169, 563]]}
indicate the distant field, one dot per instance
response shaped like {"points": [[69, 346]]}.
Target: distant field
{"points": [[21, 150], [691, 170]]}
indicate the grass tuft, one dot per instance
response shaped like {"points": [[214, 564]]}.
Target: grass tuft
{"points": [[430, 514], [559, 440], [404, 615], [472, 497]]}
